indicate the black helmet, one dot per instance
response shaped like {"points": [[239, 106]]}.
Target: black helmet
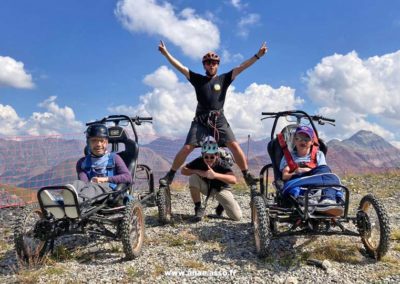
{"points": [[97, 130]]}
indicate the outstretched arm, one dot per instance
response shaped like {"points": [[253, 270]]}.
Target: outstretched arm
{"points": [[246, 64], [178, 65]]}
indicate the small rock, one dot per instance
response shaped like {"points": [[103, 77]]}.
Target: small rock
{"points": [[326, 264], [291, 280]]}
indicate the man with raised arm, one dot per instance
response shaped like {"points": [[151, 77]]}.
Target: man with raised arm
{"points": [[209, 118]]}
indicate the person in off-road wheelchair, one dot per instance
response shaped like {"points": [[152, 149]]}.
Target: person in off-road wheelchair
{"points": [[308, 198], [104, 200]]}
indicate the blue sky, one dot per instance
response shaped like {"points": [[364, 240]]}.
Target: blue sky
{"points": [[63, 63]]}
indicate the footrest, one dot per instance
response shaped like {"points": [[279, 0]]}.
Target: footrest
{"points": [[51, 205], [71, 204]]}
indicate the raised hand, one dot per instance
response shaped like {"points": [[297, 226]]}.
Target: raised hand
{"points": [[263, 49], [210, 174], [162, 48]]}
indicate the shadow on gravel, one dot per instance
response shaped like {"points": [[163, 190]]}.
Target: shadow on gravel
{"points": [[8, 263]]}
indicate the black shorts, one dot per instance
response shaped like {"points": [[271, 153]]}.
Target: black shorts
{"points": [[198, 132]]}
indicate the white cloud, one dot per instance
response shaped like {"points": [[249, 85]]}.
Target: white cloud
{"points": [[192, 33], [55, 120], [227, 57], [361, 93], [246, 22], [348, 123], [9, 120], [12, 74], [172, 105], [237, 4]]}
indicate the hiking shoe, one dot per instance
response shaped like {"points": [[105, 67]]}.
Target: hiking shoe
{"points": [[312, 203], [329, 207], [219, 209], [166, 180], [250, 179], [198, 214]]}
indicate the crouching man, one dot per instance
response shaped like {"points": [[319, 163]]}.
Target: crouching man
{"points": [[212, 178]]}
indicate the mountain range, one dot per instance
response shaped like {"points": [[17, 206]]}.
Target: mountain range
{"points": [[38, 162]]}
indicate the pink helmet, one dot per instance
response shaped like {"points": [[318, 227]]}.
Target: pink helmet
{"points": [[211, 56]]}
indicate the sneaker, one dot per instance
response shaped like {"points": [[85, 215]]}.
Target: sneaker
{"points": [[198, 213], [55, 208], [219, 209], [250, 179], [166, 180], [329, 207], [312, 204]]}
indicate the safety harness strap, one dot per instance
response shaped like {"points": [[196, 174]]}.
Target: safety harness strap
{"points": [[288, 156]]}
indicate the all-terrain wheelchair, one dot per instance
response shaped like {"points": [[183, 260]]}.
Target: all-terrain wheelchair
{"points": [[276, 214], [117, 214]]}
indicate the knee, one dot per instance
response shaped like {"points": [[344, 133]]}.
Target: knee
{"points": [[187, 149], [233, 146], [236, 215]]}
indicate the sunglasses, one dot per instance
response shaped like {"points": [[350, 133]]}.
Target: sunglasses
{"points": [[211, 62], [305, 139], [209, 157]]}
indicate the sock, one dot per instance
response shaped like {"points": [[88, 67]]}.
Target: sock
{"points": [[171, 173], [244, 172], [197, 204]]}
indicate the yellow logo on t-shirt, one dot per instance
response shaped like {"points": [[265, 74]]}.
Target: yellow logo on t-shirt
{"points": [[217, 87]]}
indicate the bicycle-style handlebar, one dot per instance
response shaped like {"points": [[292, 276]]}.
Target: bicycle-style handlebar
{"points": [[118, 118], [299, 114]]}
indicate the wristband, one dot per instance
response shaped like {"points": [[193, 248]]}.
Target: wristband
{"points": [[256, 56]]}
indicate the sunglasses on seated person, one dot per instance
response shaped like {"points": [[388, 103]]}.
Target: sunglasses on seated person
{"points": [[302, 138], [209, 157]]}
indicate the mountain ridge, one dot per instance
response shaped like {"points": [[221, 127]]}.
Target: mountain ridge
{"points": [[48, 161]]}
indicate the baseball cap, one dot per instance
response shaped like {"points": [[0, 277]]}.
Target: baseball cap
{"points": [[306, 130]]}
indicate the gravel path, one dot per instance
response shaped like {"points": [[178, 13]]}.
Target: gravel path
{"points": [[212, 251]]}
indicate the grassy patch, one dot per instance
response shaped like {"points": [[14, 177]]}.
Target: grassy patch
{"points": [[381, 185], [395, 234], [183, 238], [391, 260], [396, 247], [158, 270], [391, 270], [5, 246], [28, 276], [115, 247], [132, 273], [194, 264], [216, 246], [336, 250], [54, 271], [62, 253]]}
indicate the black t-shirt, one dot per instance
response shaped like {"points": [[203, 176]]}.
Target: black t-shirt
{"points": [[199, 164], [210, 92]]}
